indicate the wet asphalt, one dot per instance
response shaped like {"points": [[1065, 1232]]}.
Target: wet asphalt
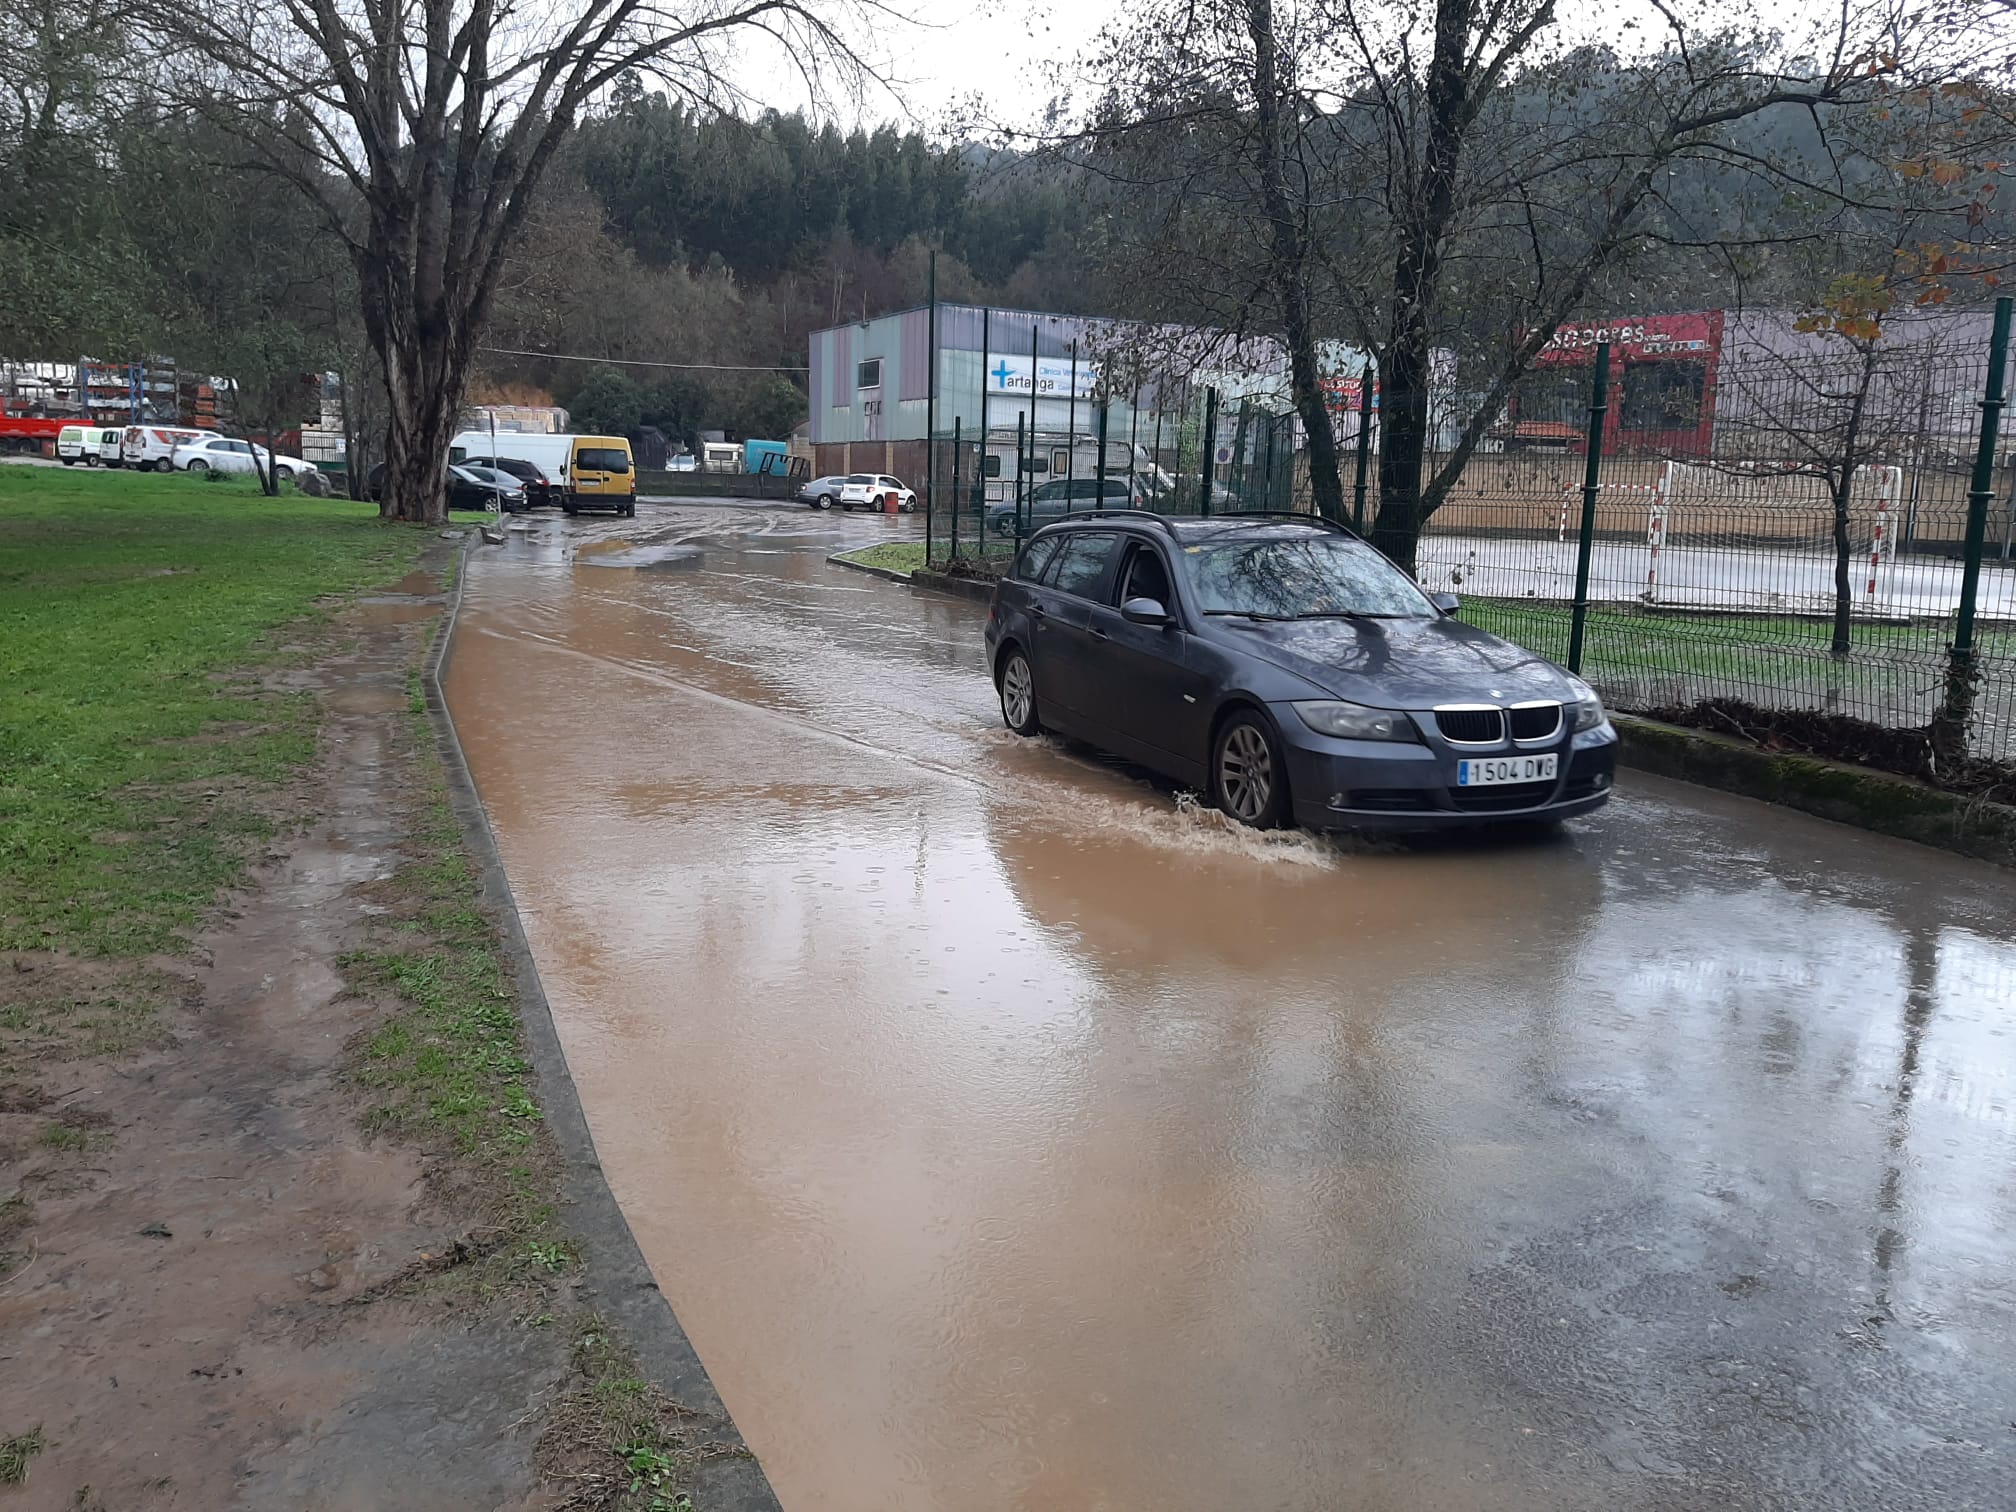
{"points": [[1008, 1132]]}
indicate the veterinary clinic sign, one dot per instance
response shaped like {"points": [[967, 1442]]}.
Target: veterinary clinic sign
{"points": [[1051, 378]]}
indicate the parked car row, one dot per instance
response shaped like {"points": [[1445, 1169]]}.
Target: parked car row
{"points": [[470, 485], [852, 491], [575, 472], [167, 448]]}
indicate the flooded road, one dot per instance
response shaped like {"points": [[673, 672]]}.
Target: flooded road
{"points": [[1009, 1134]]}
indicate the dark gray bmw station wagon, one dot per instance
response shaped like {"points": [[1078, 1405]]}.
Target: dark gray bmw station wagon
{"points": [[1291, 671]]}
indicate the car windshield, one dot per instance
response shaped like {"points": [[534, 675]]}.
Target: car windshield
{"points": [[1300, 577]]}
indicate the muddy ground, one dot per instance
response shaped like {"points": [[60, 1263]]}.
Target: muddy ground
{"points": [[235, 1271]]}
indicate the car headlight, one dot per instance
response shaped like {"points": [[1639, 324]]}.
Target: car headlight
{"points": [[1349, 721], [1588, 707]]}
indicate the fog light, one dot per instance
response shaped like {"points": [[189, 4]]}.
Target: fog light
{"points": [[1340, 800], [1602, 781]]}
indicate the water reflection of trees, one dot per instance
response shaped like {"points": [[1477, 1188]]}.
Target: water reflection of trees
{"points": [[1301, 577]]}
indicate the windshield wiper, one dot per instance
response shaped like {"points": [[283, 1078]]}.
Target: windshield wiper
{"points": [[1253, 614]]}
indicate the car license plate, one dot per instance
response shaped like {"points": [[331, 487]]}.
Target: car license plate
{"points": [[1491, 770]]}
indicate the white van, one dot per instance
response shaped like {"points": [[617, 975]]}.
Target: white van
{"points": [[109, 442], [550, 453], [153, 446], [77, 443]]}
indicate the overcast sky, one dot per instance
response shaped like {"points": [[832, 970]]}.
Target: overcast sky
{"points": [[1003, 51], [998, 50]]}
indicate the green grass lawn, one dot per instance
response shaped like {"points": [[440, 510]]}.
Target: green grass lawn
{"points": [[133, 730], [896, 556], [1891, 676]]}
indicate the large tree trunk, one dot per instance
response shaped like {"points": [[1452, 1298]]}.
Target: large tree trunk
{"points": [[422, 424], [1843, 492], [425, 356], [1417, 277], [1289, 251], [1844, 590], [1403, 445]]}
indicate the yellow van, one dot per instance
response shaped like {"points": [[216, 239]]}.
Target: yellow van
{"points": [[601, 474]]}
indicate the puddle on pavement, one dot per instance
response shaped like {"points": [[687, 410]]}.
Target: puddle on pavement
{"points": [[1010, 1133], [644, 556], [415, 583]]}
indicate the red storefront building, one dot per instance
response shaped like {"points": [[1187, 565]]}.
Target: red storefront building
{"points": [[1662, 387]]}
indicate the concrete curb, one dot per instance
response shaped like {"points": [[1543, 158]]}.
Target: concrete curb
{"points": [[968, 588], [1861, 796], [839, 559], [617, 1283]]}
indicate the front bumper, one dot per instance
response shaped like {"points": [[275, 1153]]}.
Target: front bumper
{"points": [[1395, 785]]}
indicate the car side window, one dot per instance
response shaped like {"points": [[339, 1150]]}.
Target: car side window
{"points": [[1146, 576], [1081, 564], [1035, 557]]}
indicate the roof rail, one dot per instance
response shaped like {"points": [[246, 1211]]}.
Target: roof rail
{"points": [[1123, 514], [1286, 514]]}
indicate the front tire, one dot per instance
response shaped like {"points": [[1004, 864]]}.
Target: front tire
{"points": [[199, 466], [1248, 777], [1018, 694]]}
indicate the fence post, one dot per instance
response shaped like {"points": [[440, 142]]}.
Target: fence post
{"points": [[952, 550], [1021, 484], [930, 412], [1071, 421], [1599, 401], [1956, 709], [1102, 455], [1208, 458], [1364, 449]]}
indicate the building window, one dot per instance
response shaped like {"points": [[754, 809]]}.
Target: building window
{"points": [[990, 465], [869, 374]]}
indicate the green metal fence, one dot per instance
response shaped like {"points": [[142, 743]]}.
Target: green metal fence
{"points": [[1832, 569], [1209, 457], [1818, 538]]}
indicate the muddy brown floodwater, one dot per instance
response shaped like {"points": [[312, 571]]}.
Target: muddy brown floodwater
{"points": [[1009, 1134]]}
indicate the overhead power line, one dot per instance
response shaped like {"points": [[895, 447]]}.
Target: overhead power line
{"points": [[686, 367]]}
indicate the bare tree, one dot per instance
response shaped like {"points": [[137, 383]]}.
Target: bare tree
{"points": [[421, 129], [1459, 177]]}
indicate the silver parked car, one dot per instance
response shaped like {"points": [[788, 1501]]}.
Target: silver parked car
{"points": [[823, 493]]}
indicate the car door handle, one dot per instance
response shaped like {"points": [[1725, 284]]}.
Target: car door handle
{"points": [[1098, 634], [1037, 611]]}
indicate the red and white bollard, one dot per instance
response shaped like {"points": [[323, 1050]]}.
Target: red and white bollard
{"points": [[1655, 538]]}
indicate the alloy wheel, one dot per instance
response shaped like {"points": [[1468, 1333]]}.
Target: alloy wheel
{"points": [[1246, 773], [1018, 693]]}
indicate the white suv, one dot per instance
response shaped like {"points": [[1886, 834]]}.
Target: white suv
{"points": [[870, 490]]}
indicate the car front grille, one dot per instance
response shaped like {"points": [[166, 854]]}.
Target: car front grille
{"points": [[1471, 726], [1534, 721], [1495, 800]]}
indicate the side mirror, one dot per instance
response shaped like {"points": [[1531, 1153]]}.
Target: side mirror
{"points": [[1144, 611], [1448, 603]]}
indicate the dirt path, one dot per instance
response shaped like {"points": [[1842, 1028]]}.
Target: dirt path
{"points": [[219, 1288]]}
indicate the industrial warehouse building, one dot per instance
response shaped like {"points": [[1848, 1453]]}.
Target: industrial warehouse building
{"points": [[1705, 383], [872, 399]]}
